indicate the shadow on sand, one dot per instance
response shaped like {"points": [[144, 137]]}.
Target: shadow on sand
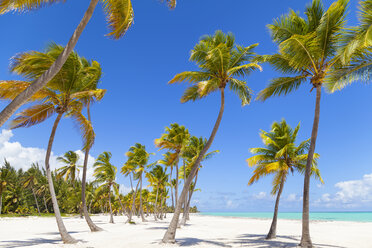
{"points": [[34, 241], [256, 240], [203, 242]]}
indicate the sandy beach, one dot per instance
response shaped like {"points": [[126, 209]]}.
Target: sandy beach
{"points": [[202, 231]]}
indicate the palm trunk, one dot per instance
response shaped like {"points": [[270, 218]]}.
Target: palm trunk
{"points": [[156, 200], [93, 227], [66, 238], [45, 205], [37, 204], [305, 239], [41, 81], [272, 232], [141, 207], [169, 236], [183, 221], [132, 212], [171, 186], [176, 187], [1, 201], [109, 200], [191, 192]]}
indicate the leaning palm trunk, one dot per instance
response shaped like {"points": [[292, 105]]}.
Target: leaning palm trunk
{"points": [[141, 207], [171, 186], [176, 186], [305, 239], [37, 204], [183, 221], [45, 205], [132, 211], [272, 232], [40, 82], [156, 200], [66, 238], [109, 200], [89, 221], [169, 236]]}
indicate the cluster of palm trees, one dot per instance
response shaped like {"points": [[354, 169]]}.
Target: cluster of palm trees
{"points": [[318, 48]]}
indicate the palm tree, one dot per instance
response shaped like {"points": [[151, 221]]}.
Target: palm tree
{"points": [[174, 139], [88, 101], [62, 97], [105, 174], [138, 158], [69, 171], [5, 176], [169, 160], [31, 180], [191, 153], [220, 62], [128, 170], [119, 15], [158, 179], [307, 50], [355, 52], [280, 156]]}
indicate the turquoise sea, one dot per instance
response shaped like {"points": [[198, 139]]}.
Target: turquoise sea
{"points": [[327, 216]]}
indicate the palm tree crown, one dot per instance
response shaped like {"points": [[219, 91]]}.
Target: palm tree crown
{"points": [[280, 155], [221, 62]]}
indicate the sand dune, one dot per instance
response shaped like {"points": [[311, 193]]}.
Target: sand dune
{"points": [[202, 231]]}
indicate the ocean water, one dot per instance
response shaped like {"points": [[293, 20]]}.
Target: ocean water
{"points": [[327, 216]]}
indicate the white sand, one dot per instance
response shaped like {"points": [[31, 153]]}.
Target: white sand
{"points": [[202, 231]]}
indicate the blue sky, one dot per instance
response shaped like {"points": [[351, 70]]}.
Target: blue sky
{"points": [[139, 103]]}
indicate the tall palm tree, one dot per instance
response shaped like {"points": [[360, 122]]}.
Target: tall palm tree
{"points": [[70, 170], [307, 51], [355, 52], [119, 15], [105, 174], [220, 61], [279, 157], [174, 139], [62, 97], [138, 157], [5, 176], [31, 180], [88, 101]]}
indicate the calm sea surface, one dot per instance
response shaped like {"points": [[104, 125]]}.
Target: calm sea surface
{"points": [[330, 216]]}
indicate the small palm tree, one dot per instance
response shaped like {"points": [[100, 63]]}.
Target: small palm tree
{"points": [[355, 52], [307, 51], [62, 97], [221, 62], [105, 174], [169, 160], [31, 180], [138, 158], [70, 170], [174, 139], [158, 180], [279, 157], [129, 170], [119, 17]]}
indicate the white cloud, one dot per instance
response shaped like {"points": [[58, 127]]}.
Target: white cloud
{"points": [[293, 198], [21, 157], [260, 196], [350, 194]]}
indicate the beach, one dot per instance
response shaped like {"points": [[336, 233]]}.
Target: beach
{"points": [[201, 231]]}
